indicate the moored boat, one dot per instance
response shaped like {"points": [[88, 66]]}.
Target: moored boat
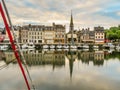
{"points": [[5, 47], [52, 46], [65, 46], [59, 46], [45, 46]]}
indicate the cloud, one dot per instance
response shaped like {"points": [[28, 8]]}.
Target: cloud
{"points": [[118, 13], [88, 13]]}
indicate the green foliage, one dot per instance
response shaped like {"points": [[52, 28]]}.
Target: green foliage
{"points": [[113, 33]]}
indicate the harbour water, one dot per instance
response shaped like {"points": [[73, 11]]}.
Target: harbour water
{"points": [[62, 70]]}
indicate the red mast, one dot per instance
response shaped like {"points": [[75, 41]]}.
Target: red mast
{"points": [[13, 45]]}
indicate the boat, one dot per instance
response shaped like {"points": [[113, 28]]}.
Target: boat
{"points": [[28, 46], [5, 47], [73, 47], [31, 46], [85, 47], [95, 47], [24, 46], [111, 46], [45, 46], [65, 46], [59, 46], [52, 46]]}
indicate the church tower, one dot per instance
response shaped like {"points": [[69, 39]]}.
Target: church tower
{"points": [[71, 23], [71, 29]]}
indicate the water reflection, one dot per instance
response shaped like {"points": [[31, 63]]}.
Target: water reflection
{"points": [[56, 58], [92, 69], [36, 58], [97, 57]]}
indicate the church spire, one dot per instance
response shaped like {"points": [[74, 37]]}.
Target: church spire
{"points": [[71, 23]]}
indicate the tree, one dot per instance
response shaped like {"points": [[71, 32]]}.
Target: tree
{"points": [[113, 33]]}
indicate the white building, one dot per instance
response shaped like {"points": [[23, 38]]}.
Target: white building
{"points": [[32, 34], [35, 34], [99, 35], [16, 32], [49, 35], [59, 33]]}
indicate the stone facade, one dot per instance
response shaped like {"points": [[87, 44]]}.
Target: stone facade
{"points": [[24, 34], [59, 34], [87, 36], [40, 34], [99, 35], [49, 35], [70, 36], [35, 34], [32, 34]]}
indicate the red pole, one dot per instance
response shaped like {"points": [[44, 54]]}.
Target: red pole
{"points": [[13, 45]]}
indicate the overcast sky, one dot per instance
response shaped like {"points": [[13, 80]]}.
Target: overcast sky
{"points": [[86, 13]]}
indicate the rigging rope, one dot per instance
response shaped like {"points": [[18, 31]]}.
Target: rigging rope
{"points": [[18, 46], [13, 45]]}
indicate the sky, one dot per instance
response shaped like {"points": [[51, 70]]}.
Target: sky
{"points": [[86, 13]]}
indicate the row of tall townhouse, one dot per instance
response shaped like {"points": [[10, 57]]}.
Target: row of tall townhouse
{"points": [[31, 34], [56, 34], [96, 36], [4, 33], [41, 34], [85, 35]]}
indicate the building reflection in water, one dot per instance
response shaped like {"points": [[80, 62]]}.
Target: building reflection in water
{"points": [[2, 55], [97, 57], [57, 58], [2, 59], [71, 55], [36, 58], [10, 57]]}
